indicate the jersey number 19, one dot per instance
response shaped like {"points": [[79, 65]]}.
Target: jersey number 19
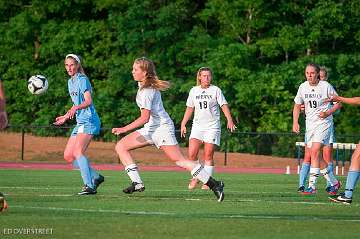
{"points": [[313, 104]]}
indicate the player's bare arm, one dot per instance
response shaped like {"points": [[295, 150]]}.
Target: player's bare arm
{"points": [[188, 112], [230, 123], [296, 113], [143, 119], [346, 100], [87, 102], [330, 111]]}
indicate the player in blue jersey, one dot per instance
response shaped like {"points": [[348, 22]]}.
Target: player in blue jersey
{"points": [[87, 124], [205, 100], [157, 128], [354, 170]]}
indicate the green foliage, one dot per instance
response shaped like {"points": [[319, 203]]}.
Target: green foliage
{"points": [[257, 49]]}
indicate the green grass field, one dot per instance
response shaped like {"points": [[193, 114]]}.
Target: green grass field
{"points": [[255, 206]]}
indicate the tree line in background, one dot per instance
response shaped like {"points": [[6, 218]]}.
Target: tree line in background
{"points": [[257, 49]]}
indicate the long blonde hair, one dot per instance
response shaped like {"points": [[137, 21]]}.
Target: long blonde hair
{"points": [[325, 70], [201, 69], [151, 79]]}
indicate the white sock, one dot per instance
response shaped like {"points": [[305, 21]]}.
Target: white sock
{"points": [[200, 173], [133, 173], [314, 174], [209, 169], [197, 162], [326, 175]]}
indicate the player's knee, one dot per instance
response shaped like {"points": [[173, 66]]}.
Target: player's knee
{"points": [[120, 147], [69, 157]]}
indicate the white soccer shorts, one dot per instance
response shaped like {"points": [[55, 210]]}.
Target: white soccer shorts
{"points": [[206, 136], [162, 135], [319, 134]]}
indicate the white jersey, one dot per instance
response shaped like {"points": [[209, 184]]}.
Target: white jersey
{"points": [[206, 103], [313, 99], [150, 99]]}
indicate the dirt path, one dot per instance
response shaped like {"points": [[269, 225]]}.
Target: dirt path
{"points": [[50, 150]]}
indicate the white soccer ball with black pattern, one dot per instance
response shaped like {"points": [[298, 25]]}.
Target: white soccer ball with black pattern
{"points": [[38, 84]]}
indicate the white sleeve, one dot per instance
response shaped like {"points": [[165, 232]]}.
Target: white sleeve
{"points": [[189, 101], [298, 99], [220, 98], [146, 99]]}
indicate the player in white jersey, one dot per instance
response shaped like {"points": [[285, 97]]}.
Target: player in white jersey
{"points": [[205, 100], [354, 169], [157, 129], [327, 153], [319, 121]]}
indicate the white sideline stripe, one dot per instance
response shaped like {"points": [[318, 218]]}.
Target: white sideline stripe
{"points": [[152, 190], [98, 210], [32, 188], [295, 218], [193, 199], [335, 145], [57, 195]]}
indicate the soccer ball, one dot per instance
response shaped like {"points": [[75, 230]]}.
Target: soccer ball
{"points": [[37, 84], [3, 204]]}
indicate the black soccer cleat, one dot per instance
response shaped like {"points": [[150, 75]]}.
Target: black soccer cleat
{"points": [[218, 190], [134, 187], [341, 198], [301, 189], [86, 190], [98, 181]]}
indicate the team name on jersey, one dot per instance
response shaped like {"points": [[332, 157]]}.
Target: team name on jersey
{"points": [[201, 97], [314, 95], [74, 93]]}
